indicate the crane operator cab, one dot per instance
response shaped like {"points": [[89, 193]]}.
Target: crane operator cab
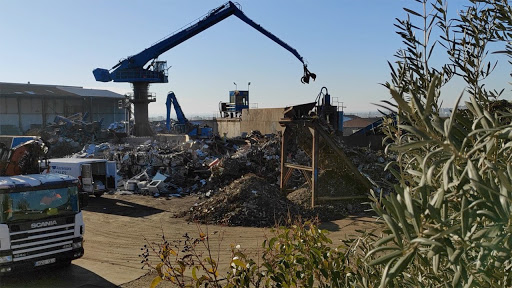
{"points": [[238, 100]]}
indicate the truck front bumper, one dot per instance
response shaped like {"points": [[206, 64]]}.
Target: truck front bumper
{"points": [[63, 258]]}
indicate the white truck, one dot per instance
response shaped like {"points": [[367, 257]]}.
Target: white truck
{"points": [[95, 176], [41, 221]]}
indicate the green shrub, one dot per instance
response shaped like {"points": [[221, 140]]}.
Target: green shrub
{"points": [[448, 223], [300, 255]]}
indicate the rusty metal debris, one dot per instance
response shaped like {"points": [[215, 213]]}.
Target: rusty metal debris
{"points": [[248, 201], [67, 135], [223, 173]]}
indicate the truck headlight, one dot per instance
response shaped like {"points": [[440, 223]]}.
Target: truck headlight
{"points": [[77, 245], [5, 259]]}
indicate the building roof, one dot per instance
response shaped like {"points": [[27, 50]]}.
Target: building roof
{"points": [[22, 89], [359, 122], [90, 92]]}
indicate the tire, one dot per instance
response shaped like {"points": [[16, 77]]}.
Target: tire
{"points": [[98, 194]]}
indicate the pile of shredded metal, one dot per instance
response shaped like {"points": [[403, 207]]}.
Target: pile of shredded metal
{"points": [[248, 201], [237, 180], [252, 202]]}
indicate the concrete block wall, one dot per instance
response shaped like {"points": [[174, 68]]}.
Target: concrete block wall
{"points": [[230, 127], [265, 120], [171, 138]]}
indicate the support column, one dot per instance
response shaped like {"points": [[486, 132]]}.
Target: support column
{"points": [[20, 123], [44, 110], [314, 164], [288, 168], [140, 106], [284, 152]]}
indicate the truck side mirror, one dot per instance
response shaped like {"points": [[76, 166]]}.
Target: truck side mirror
{"points": [[83, 199]]}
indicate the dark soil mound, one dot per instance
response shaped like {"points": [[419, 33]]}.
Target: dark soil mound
{"points": [[248, 201]]}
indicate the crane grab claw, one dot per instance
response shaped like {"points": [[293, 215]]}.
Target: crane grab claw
{"points": [[307, 75]]}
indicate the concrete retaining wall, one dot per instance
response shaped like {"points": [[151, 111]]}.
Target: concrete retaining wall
{"points": [[229, 127], [172, 138], [265, 120]]}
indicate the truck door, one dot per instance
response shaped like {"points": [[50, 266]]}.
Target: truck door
{"points": [[111, 175], [87, 182]]}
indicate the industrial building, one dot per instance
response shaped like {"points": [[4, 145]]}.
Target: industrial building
{"points": [[353, 123], [27, 106]]}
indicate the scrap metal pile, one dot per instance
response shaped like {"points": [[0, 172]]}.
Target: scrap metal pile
{"points": [[66, 135], [199, 167], [248, 201], [236, 180]]}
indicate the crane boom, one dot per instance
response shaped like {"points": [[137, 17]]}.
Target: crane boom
{"points": [[132, 68]]}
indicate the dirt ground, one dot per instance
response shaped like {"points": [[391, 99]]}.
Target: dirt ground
{"points": [[118, 226]]}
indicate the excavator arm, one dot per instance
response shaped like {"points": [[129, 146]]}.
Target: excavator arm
{"points": [[132, 68], [22, 159], [172, 101], [184, 126]]}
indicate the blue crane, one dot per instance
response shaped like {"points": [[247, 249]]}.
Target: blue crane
{"points": [[136, 70]]}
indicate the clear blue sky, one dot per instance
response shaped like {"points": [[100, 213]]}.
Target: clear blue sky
{"points": [[347, 43]]}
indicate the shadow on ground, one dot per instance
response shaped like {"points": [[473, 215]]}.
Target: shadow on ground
{"points": [[71, 276], [361, 219], [120, 207], [329, 226]]}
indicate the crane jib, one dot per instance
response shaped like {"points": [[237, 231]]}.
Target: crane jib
{"points": [[132, 68]]}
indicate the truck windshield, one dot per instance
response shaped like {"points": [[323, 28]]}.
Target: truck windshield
{"points": [[38, 204]]}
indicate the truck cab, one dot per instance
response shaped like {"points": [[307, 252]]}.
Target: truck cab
{"points": [[41, 222]]}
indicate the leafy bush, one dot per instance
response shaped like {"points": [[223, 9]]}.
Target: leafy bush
{"points": [[448, 223], [300, 255]]}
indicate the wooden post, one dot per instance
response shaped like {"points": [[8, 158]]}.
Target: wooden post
{"points": [[284, 152], [314, 164]]}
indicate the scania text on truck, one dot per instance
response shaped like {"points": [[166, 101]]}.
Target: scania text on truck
{"points": [[41, 222]]}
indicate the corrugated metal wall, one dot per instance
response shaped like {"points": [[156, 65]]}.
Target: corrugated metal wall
{"points": [[19, 114]]}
